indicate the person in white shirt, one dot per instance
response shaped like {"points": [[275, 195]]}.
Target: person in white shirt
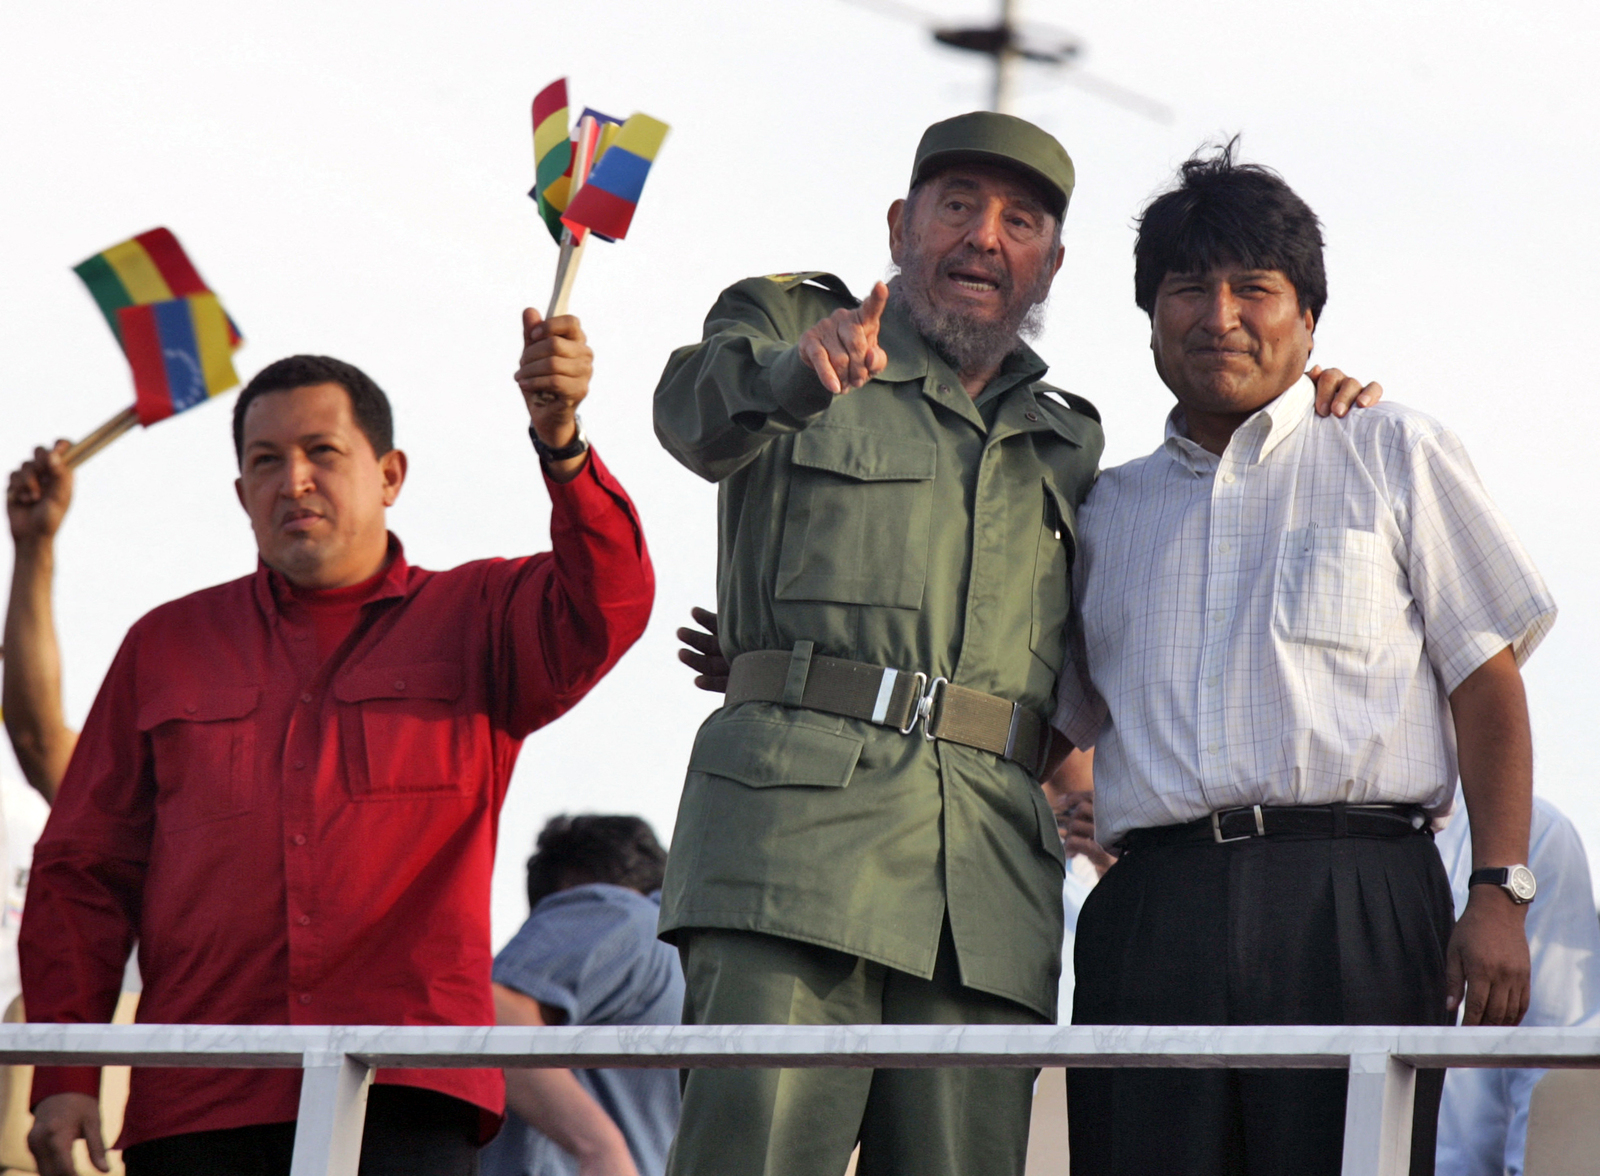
{"points": [[1483, 1121], [1294, 629]]}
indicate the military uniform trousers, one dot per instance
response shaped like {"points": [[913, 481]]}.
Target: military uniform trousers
{"points": [[1276, 930], [951, 1122]]}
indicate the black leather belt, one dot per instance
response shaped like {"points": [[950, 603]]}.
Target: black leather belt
{"points": [[1319, 820]]}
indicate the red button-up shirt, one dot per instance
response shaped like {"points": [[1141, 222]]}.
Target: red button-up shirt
{"points": [[302, 841]]}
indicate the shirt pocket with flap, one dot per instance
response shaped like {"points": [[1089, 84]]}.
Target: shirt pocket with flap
{"points": [[1052, 579], [402, 729], [203, 743], [859, 515], [1329, 588]]}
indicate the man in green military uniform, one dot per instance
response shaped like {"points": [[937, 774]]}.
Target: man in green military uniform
{"points": [[862, 838], [896, 492]]}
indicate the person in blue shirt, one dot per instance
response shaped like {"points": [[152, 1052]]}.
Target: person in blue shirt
{"points": [[588, 955], [1483, 1121]]}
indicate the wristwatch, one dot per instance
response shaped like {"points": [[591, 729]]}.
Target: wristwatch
{"points": [[1517, 881], [578, 445]]}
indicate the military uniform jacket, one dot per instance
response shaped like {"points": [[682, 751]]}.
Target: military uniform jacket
{"points": [[906, 525]]}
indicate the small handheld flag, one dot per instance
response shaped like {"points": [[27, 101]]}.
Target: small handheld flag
{"points": [[151, 267], [605, 205], [552, 155], [179, 353], [588, 180], [178, 340]]}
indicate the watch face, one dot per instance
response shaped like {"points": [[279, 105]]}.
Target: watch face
{"points": [[1521, 883]]}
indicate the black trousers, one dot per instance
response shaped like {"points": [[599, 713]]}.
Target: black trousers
{"points": [[1270, 931], [409, 1132]]}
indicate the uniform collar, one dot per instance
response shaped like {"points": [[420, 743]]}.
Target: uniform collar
{"points": [[1262, 431], [272, 588]]}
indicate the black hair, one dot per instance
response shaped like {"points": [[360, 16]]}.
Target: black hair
{"points": [[368, 404], [1222, 211], [573, 851]]}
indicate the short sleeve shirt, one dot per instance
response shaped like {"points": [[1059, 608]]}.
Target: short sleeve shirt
{"points": [[592, 952], [1283, 623]]}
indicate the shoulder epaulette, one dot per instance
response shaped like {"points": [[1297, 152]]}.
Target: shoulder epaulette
{"points": [[816, 279], [1067, 399]]}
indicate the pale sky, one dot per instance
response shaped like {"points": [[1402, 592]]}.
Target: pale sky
{"points": [[351, 177]]}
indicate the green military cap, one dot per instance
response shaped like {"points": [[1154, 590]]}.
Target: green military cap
{"points": [[1003, 139]]}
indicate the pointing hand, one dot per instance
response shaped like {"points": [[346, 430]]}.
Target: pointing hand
{"points": [[843, 348]]}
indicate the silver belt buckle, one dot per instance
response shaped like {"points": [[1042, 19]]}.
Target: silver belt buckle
{"points": [[1216, 826], [925, 707], [918, 688]]}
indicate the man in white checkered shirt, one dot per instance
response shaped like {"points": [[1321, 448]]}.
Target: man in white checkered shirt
{"points": [[1295, 629]]}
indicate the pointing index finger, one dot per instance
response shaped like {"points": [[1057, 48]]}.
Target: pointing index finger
{"points": [[871, 308]]}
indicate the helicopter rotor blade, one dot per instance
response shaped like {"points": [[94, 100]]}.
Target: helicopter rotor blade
{"points": [[897, 11], [1120, 95]]}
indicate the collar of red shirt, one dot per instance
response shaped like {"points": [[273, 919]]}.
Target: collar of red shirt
{"points": [[272, 587]]}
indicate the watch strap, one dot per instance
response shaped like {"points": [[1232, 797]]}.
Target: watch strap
{"points": [[1490, 876], [578, 446]]}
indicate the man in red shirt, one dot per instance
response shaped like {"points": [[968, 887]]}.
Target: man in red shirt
{"points": [[288, 789]]}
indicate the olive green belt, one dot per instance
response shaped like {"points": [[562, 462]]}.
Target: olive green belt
{"points": [[891, 698]]}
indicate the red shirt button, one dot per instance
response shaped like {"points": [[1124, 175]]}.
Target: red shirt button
{"points": [[304, 920], [399, 685], [305, 998], [305, 698], [298, 764], [299, 838]]}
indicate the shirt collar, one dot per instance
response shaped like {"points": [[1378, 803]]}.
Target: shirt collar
{"points": [[1262, 431], [911, 358], [906, 350], [272, 587]]}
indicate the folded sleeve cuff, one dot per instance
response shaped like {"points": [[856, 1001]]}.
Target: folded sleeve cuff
{"points": [[52, 1080], [1080, 712], [1523, 633]]}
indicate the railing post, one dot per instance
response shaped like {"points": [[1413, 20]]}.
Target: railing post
{"points": [[333, 1112], [1377, 1116]]}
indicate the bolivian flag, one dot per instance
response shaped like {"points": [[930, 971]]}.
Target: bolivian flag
{"points": [[552, 154], [149, 268]]}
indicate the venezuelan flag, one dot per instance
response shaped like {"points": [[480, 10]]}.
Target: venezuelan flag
{"points": [[605, 204], [552, 154], [151, 267], [181, 352]]}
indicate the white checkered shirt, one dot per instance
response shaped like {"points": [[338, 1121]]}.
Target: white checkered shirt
{"points": [[1283, 624]]}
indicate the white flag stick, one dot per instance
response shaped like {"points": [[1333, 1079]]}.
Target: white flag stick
{"points": [[572, 252]]}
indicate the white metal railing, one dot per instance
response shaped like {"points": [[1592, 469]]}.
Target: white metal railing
{"points": [[338, 1060]]}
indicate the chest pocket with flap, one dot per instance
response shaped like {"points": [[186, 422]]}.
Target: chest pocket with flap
{"points": [[204, 746], [401, 728], [859, 516]]}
